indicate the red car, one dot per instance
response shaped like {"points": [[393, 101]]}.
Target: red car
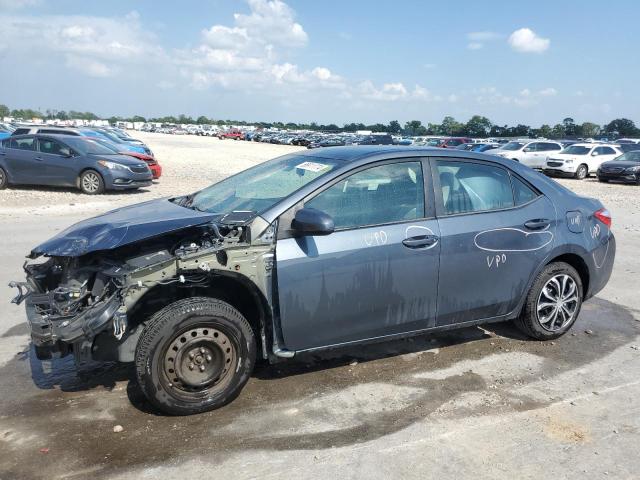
{"points": [[454, 142], [154, 166], [232, 135]]}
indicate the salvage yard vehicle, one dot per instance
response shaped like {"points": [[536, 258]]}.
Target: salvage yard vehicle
{"points": [[532, 154], [580, 159], [69, 161], [625, 168], [311, 251]]}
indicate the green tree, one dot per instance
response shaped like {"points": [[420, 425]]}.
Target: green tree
{"points": [[622, 127], [570, 127], [545, 131], [558, 131], [414, 127], [394, 127], [4, 111], [590, 129], [450, 126], [478, 126]]}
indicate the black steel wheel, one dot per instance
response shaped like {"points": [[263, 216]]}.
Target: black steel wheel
{"points": [[195, 355]]}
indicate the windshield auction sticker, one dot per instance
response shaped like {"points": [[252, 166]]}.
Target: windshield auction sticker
{"points": [[312, 166]]}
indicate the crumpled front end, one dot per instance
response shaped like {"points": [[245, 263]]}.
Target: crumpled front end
{"points": [[67, 302]]}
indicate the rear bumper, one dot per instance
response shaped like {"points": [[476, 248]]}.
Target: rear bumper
{"points": [[601, 265]]}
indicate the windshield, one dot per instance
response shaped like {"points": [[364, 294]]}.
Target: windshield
{"points": [[576, 150], [88, 146], [261, 187], [629, 157], [512, 146]]}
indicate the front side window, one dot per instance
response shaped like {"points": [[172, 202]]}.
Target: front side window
{"points": [[384, 194], [52, 147], [576, 150], [607, 151], [471, 187]]}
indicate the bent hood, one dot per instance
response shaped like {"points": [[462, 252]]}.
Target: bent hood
{"points": [[121, 227]]}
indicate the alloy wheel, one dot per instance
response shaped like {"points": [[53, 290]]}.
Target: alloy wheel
{"points": [[557, 303], [90, 182], [581, 173]]}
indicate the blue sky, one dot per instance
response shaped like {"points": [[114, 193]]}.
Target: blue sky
{"points": [[330, 61]]}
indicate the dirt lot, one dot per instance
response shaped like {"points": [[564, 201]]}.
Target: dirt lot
{"points": [[470, 403]]}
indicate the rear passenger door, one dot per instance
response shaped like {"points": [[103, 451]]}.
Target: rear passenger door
{"points": [[20, 157], [495, 230], [600, 155]]}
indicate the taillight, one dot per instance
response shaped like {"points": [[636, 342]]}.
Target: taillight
{"points": [[604, 216]]}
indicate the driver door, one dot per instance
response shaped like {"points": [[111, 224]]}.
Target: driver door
{"points": [[376, 275]]}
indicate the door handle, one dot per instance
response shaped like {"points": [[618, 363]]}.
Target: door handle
{"points": [[3, 153], [420, 241], [537, 224], [38, 159]]}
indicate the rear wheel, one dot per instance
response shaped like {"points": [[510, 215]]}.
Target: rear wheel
{"points": [[4, 181], [581, 172], [91, 182], [195, 355], [553, 303]]}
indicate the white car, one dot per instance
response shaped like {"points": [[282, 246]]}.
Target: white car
{"points": [[532, 154], [581, 159]]}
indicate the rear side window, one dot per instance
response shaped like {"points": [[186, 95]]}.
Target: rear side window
{"points": [[58, 132], [522, 193], [471, 187], [20, 131], [378, 195], [23, 143]]}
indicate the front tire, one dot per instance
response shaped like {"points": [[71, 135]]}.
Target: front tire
{"points": [[195, 355], [4, 180], [91, 182], [553, 303], [582, 172]]}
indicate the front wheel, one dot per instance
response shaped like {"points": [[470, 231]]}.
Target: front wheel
{"points": [[553, 303], [91, 182], [581, 172], [195, 355], [4, 181]]}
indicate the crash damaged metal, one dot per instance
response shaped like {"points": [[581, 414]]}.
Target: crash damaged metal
{"points": [[83, 304]]}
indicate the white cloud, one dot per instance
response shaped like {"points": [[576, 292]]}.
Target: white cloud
{"points": [[475, 46], [89, 67], [272, 22], [527, 41], [548, 92]]}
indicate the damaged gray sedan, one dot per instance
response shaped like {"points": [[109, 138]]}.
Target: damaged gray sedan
{"points": [[311, 251]]}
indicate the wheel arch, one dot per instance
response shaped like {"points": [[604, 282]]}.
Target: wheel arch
{"points": [[232, 288], [84, 169]]}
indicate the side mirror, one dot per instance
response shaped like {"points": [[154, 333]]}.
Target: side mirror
{"points": [[527, 150], [309, 221], [595, 154]]}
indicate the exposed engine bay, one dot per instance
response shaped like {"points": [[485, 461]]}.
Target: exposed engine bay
{"points": [[71, 300]]}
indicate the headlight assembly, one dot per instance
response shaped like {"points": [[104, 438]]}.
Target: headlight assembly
{"points": [[112, 165]]}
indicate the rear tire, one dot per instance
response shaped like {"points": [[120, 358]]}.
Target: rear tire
{"points": [[91, 182], [4, 180], [553, 303], [582, 172], [195, 355]]}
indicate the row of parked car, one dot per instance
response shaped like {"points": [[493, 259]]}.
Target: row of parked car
{"points": [[92, 159]]}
